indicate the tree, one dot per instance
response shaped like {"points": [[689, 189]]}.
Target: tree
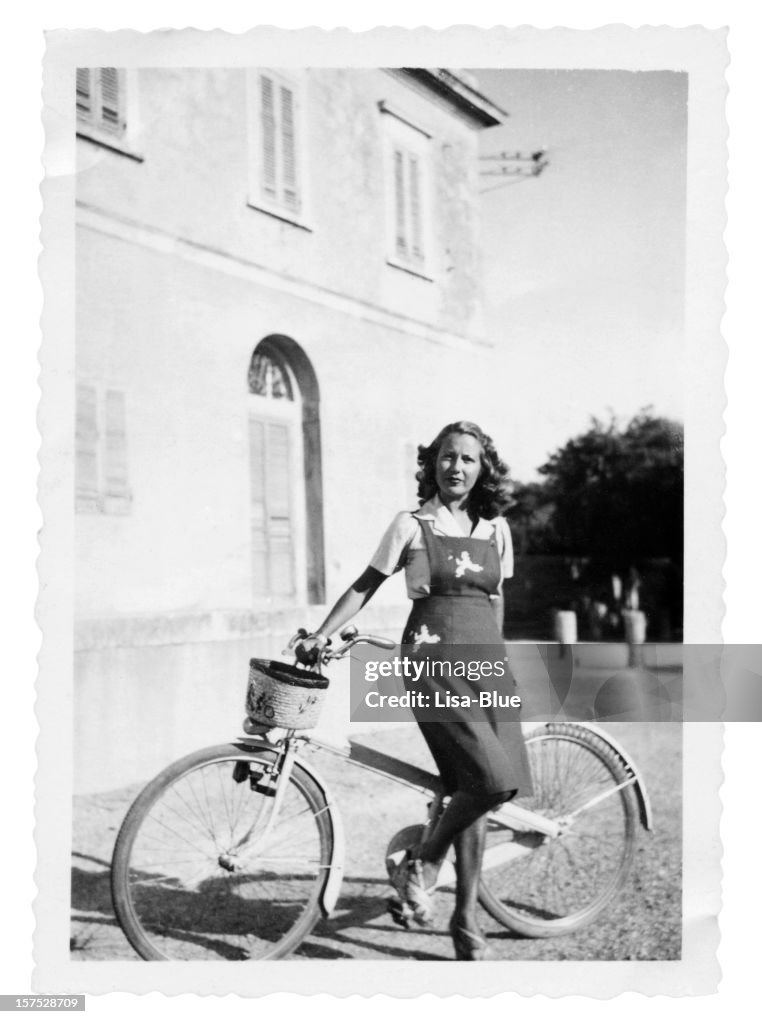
{"points": [[614, 494]]}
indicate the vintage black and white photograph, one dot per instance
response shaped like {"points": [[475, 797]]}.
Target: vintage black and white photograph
{"points": [[370, 356]]}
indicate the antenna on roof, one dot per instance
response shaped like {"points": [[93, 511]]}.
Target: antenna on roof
{"points": [[513, 166]]}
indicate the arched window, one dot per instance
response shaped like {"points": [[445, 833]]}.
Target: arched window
{"points": [[285, 473], [268, 376]]}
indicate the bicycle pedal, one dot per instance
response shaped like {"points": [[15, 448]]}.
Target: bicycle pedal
{"points": [[263, 788]]}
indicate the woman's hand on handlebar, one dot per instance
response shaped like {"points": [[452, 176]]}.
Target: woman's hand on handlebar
{"points": [[309, 649]]}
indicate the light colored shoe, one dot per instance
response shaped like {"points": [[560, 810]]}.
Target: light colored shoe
{"points": [[415, 899]]}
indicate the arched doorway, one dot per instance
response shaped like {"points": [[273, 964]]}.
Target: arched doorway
{"points": [[286, 506]]}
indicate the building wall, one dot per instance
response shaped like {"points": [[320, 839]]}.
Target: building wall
{"points": [[193, 184], [178, 280]]}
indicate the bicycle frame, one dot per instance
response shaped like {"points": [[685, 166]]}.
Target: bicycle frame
{"points": [[509, 816], [335, 870]]}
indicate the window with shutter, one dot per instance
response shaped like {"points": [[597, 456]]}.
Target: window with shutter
{"points": [[288, 143], [286, 498], [101, 471], [115, 482], [258, 508], [408, 209], [106, 103], [277, 474], [101, 99], [269, 181], [273, 421], [272, 541], [416, 237], [86, 468], [400, 220], [111, 114], [276, 145], [84, 94], [407, 191]]}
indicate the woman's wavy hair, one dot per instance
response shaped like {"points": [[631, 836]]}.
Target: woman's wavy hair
{"points": [[492, 494]]}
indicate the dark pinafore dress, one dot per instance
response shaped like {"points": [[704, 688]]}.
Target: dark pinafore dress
{"points": [[479, 750]]}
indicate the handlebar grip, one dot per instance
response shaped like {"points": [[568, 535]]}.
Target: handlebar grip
{"points": [[380, 641]]}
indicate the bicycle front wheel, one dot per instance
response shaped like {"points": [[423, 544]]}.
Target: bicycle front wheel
{"points": [[550, 886], [203, 869]]}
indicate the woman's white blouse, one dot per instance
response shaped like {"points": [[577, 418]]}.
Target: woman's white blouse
{"points": [[403, 546]]}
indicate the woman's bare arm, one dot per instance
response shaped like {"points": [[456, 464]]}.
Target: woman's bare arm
{"points": [[352, 601], [347, 606]]}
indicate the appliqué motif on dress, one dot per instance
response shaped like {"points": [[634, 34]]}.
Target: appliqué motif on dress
{"points": [[424, 637], [464, 564]]}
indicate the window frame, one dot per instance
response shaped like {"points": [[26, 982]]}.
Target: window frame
{"points": [[285, 412], [109, 457], [124, 142], [407, 138], [257, 199]]}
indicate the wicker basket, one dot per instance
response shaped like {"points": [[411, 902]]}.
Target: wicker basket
{"points": [[284, 696]]}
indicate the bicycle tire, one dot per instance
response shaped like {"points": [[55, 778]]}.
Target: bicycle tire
{"points": [[557, 885], [174, 897]]}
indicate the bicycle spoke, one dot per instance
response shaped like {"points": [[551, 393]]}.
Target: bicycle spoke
{"points": [[225, 803], [189, 902], [561, 881], [187, 821], [181, 837]]}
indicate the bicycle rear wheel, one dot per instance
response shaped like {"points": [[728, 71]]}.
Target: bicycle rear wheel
{"points": [[202, 870], [554, 885]]}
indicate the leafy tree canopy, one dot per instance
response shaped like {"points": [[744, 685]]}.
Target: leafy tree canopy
{"points": [[613, 493]]}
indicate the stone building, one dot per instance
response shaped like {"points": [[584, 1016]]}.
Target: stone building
{"points": [[278, 297]]}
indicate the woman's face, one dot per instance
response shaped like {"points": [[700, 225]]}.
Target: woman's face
{"points": [[458, 466]]}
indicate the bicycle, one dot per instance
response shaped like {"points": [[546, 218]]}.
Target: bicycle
{"points": [[236, 851]]}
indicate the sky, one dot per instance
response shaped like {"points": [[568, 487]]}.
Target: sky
{"points": [[584, 265]]}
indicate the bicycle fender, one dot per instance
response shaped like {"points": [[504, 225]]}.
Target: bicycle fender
{"points": [[332, 885], [644, 803], [329, 894]]}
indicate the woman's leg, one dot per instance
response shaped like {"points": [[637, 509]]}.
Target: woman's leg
{"points": [[469, 851], [463, 810]]}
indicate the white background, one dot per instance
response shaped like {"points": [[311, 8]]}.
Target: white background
{"points": [[22, 44]]}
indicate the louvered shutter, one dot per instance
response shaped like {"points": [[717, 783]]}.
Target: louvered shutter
{"points": [[115, 455], [399, 203], [278, 476], [415, 210], [269, 169], [288, 143], [86, 469], [258, 512], [84, 94], [111, 101]]}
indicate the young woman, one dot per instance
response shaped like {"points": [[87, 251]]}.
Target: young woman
{"points": [[455, 550]]}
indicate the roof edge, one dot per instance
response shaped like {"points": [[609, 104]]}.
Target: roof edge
{"points": [[451, 87]]}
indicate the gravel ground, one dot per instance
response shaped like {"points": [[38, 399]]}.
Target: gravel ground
{"points": [[642, 923]]}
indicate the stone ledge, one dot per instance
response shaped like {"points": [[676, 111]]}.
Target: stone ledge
{"points": [[191, 627]]}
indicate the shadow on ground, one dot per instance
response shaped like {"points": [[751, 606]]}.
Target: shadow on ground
{"points": [[642, 923]]}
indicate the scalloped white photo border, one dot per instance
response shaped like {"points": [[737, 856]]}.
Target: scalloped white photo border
{"points": [[700, 52]]}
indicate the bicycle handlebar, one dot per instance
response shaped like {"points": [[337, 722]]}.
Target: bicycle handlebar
{"points": [[361, 638], [341, 652]]}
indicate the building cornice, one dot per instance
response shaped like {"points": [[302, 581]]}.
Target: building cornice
{"points": [[458, 93]]}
